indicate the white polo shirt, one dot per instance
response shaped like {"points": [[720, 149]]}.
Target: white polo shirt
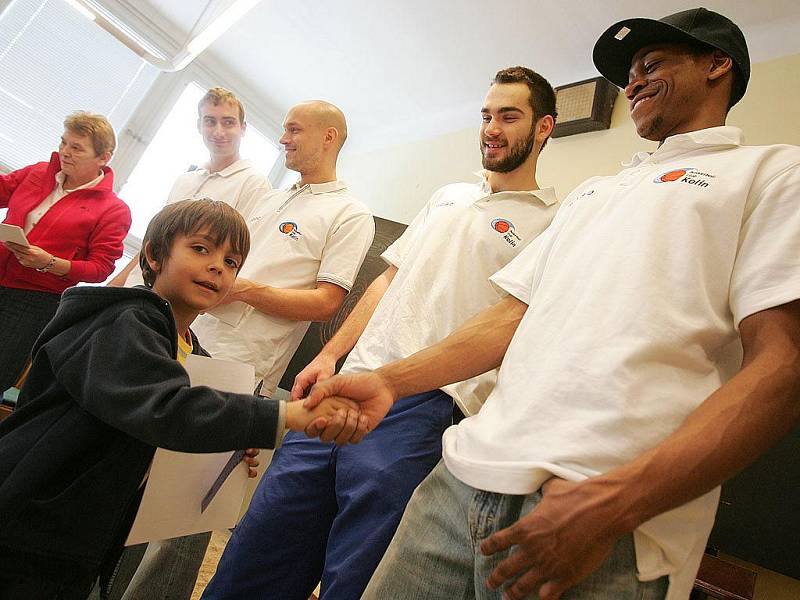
{"points": [[444, 260], [239, 184], [635, 295], [300, 236]]}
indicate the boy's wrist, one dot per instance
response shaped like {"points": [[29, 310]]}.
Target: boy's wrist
{"points": [[282, 422], [290, 412]]}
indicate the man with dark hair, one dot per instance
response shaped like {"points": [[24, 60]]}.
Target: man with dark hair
{"points": [[542, 98], [595, 463], [327, 513]]}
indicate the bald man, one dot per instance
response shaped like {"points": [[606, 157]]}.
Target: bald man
{"points": [[307, 245]]}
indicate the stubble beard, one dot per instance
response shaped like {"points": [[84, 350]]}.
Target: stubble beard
{"points": [[518, 155]]}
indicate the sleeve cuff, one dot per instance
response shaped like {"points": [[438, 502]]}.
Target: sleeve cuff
{"points": [[281, 425]]}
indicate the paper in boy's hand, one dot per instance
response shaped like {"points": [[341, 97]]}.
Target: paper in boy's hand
{"points": [[12, 233], [234, 460], [179, 482]]}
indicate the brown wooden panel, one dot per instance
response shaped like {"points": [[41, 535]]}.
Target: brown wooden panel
{"points": [[720, 579], [758, 519]]}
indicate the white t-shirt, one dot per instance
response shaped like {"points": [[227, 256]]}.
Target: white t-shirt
{"points": [[444, 260], [635, 295], [317, 232], [239, 184]]}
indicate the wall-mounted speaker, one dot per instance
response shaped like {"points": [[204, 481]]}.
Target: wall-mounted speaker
{"points": [[584, 106]]}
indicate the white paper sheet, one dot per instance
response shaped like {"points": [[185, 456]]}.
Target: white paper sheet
{"points": [[12, 233], [178, 481]]}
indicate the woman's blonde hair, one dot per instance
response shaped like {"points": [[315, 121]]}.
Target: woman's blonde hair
{"points": [[96, 128]]}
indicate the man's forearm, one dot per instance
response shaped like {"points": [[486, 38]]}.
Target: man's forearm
{"points": [[479, 345], [352, 328], [297, 305], [730, 430], [121, 278]]}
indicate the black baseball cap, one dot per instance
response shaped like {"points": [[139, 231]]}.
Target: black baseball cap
{"points": [[614, 51]]}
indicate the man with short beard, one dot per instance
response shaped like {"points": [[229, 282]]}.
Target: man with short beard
{"points": [[328, 513]]}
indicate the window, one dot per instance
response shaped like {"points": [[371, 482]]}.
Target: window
{"points": [[176, 148], [54, 61]]}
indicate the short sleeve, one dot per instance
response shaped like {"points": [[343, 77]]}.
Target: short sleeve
{"points": [[518, 277], [767, 268], [345, 250]]}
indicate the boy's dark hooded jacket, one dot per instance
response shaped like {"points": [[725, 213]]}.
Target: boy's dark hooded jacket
{"points": [[103, 392]]}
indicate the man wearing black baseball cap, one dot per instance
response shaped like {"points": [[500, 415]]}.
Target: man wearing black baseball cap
{"points": [[697, 28], [622, 401]]}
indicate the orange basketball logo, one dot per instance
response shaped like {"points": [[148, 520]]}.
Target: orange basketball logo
{"points": [[288, 227], [670, 176], [502, 225]]}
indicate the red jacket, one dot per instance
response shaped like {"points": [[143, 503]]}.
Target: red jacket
{"points": [[86, 227]]}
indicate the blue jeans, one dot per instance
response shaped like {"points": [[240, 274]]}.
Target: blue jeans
{"points": [[435, 552], [327, 513]]}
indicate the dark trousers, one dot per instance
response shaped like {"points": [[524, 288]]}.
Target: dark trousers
{"points": [[41, 589], [23, 315]]}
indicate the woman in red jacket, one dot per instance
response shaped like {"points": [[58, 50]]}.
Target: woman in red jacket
{"points": [[75, 225]]}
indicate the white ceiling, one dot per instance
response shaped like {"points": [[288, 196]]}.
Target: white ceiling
{"points": [[411, 69]]}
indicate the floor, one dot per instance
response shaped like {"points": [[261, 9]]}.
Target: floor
{"points": [[209, 567]]}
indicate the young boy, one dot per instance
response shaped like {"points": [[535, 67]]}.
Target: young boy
{"points": [[105, 389]]}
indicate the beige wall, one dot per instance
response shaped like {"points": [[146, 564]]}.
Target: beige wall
{"points": [[397, 181]]}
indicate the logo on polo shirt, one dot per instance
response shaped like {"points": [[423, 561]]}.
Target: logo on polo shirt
{"points": [[685, 175], [290, 229], [506, 228]]}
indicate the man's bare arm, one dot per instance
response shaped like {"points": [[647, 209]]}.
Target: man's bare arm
{"points": [[572, 530], [479, 345], [476, 347], [319, 304], [121, 278], [346, 337]]}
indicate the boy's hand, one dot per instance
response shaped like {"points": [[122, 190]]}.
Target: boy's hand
{"points": [[337, 417], [251, 461]]}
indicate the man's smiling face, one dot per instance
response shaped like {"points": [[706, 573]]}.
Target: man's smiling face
{"points": [[507, 133], [667, 84]]}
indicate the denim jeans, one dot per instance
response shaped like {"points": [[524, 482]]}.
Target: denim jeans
{"points": [[435, 552], [169, 568]]}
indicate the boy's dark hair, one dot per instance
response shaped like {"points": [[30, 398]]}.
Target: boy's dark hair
{"points": [[542, 98], [224, 223]]}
